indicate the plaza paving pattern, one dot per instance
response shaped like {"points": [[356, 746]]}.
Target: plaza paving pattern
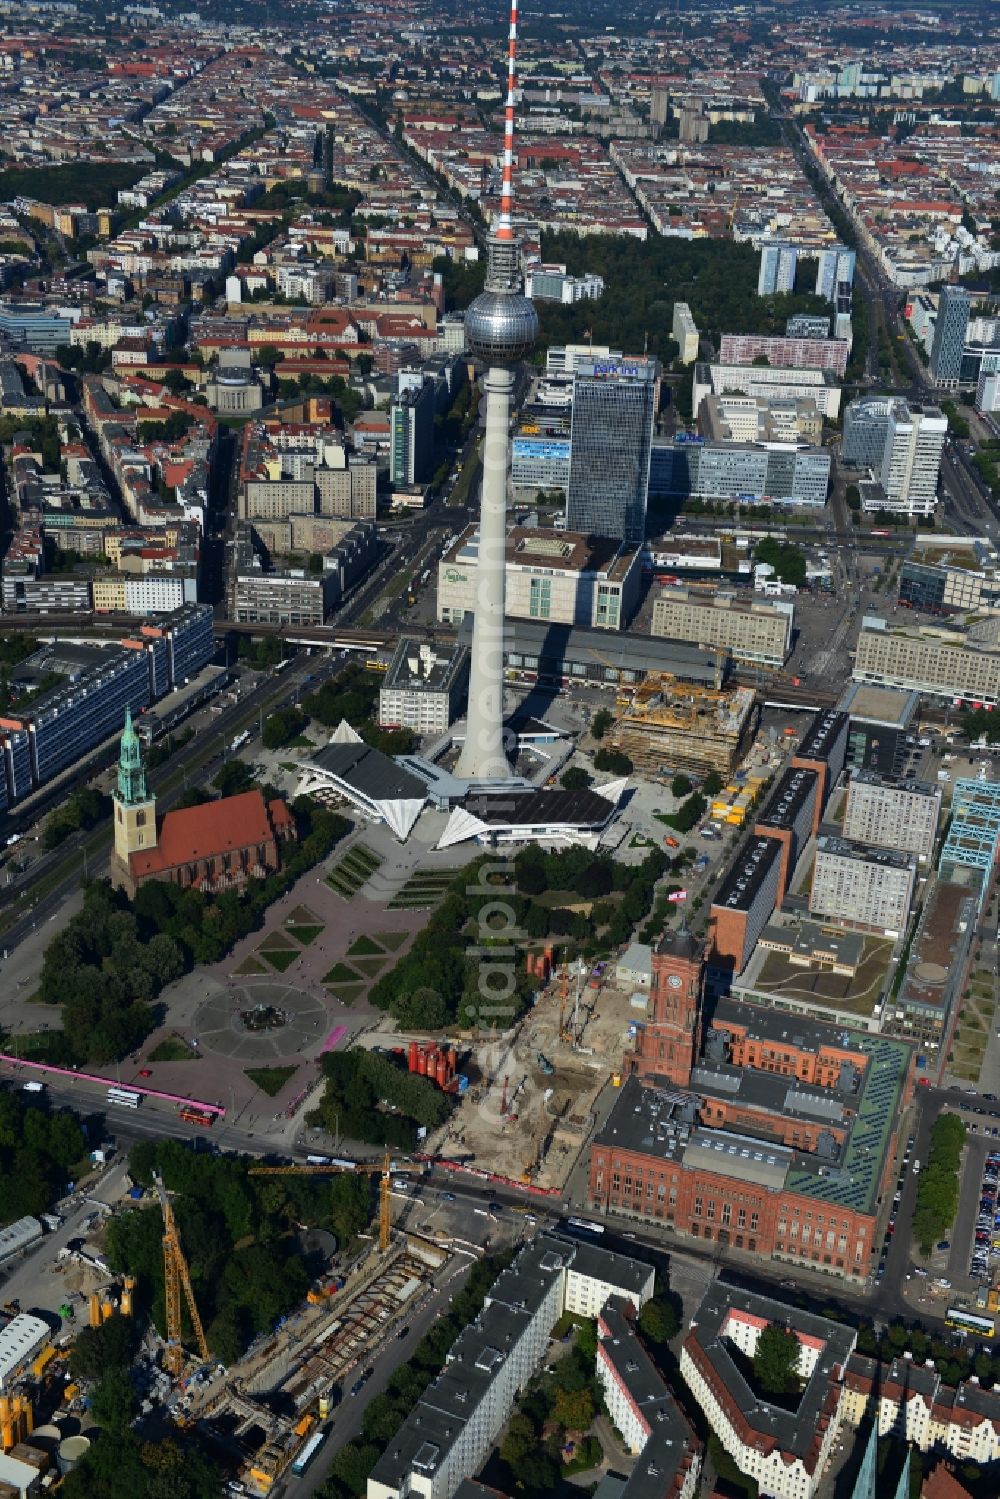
{"points": [[221, 1028]]}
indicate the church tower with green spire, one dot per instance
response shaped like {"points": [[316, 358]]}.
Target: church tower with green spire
{"points": [[135, 809]]}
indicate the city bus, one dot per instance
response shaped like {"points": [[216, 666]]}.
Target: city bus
{"points": [[584, 1226], [980, 1327], [191, 1115], [308, 1452], [125, 1098]]}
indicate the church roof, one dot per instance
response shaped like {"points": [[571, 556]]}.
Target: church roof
{"points": [[211, 829]]}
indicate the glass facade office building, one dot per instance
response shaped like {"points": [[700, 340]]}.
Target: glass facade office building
{"points": [[614, 410], [950, 328]]}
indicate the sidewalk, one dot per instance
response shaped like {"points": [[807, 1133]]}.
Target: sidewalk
{"points": [[20, 973]]}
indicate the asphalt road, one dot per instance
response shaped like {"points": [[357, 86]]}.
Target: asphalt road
{"points": [[88, 852], [884, 1300], [348, 1416]]}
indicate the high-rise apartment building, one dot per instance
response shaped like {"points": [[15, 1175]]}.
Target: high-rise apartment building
{"points": [[411, 437], [950, 329], [785, 353], [863, 887], [614, 410], [835, 273], [866, 426], [911, 459], [685, 332], [778, 259], [807, 325], [892, 813]]}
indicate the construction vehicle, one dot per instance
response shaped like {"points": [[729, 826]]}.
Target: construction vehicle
{"points": [[176, 1275], [385, 1172], [16, 1420]]}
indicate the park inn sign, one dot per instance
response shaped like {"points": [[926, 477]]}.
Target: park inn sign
{"points": [[452, 575]]}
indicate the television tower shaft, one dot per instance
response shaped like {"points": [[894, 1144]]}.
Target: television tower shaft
{"points": [[501, 326]]}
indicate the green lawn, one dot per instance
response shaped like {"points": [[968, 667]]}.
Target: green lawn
{"points": [[250, 965], [280, 960], [276, 942], [304, 934], [364, 947], [270, 1080], [353, 870], [346, 993], [340, 973], [392, 941], [173, 1049], [371, 967]]}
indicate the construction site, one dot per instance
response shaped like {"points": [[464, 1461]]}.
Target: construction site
{"points": [[529, 1114], [667, 726], [266, 1412]]}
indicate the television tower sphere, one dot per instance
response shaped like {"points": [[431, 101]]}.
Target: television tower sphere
{"points": [[501, 325]]}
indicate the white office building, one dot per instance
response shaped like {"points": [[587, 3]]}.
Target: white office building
{"points": [[892, 813], [911, 460], [862, 887], [423, 688]]}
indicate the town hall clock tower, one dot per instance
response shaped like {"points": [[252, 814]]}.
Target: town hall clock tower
{"points": [[668, 1045]]}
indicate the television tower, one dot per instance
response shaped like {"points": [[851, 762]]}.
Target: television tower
{"points": [[501, 326]]}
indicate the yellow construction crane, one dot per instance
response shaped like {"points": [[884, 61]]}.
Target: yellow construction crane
{"points": [[176, 1275], [384, 1172]]}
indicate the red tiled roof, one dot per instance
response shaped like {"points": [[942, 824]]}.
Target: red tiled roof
{"points": [[281, 816], [206, 831], [942, 1484]]}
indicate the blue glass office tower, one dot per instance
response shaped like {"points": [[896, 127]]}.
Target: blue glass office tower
{"points": [[614, 411], [950, 328]]}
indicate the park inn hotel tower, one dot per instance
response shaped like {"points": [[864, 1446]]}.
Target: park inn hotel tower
{"points": [[611, 439]]}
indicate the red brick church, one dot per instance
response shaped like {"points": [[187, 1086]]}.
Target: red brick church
{"points": [[215, 846]]}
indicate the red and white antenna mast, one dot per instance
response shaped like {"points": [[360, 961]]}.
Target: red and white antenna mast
{"points": [[505, 227]]}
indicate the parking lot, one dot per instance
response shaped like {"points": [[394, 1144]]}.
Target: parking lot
{"points": [[890, 1227], [985, 1247]]}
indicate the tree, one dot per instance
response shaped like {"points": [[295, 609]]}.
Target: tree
{"points": [[593, 881], [658, 1321], [680, 786], [574, 1409], [282, 727], [713, 783], [99, 1350], [575, 779], [112, 1403], [519, 1439], [788, 561], [614, 761], [232, 777], [531, 879], [601, 723], [776, 1360]]}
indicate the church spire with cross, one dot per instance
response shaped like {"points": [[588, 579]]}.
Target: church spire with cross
{"points": [[135, 808], [131, 771]]}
